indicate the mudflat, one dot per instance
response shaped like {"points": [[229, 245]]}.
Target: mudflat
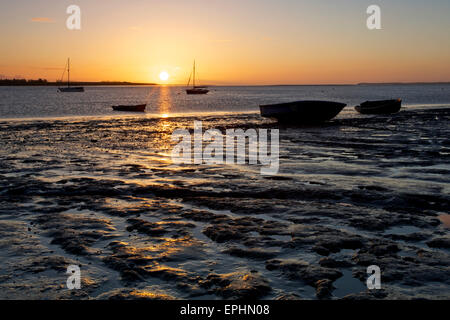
{"points": [[105, 195]]}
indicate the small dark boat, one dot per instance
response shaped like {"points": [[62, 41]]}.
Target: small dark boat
{"points": [[380, 107], [303, 112], [134, 108]]}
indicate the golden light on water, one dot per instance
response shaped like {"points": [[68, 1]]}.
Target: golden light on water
{"points": [[164, 101]]}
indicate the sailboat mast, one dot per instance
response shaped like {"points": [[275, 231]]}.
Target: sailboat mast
{"points": [[68, 72], [194, 75]]}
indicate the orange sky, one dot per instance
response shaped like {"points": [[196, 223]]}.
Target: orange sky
{"points": [[234, 42]]}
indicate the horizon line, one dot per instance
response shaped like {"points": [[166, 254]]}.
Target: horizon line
{"points": [[116, 82]]}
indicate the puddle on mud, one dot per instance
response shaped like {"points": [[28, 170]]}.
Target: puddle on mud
{"points": [[346, 285], [402, 230]]}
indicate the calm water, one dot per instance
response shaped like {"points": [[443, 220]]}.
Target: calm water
{"points": [[31, 102]]}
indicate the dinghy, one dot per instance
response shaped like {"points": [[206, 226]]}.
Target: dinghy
{"points": [[132, 108], [380, 107], [303, 112]]}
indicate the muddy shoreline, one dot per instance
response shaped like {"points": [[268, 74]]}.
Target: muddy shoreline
{"points": [[103, 194]]}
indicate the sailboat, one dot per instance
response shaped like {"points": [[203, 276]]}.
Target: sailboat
{"points": [[195, 89], [69, 88]]}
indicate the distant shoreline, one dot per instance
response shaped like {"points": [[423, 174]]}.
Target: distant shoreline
{"points": [[10, 83], [345, 84], [400, 83]]}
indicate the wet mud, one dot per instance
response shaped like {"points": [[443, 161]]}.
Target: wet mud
{"points": [[104, 194]]}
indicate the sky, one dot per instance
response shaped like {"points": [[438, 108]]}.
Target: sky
{"points": [[234, 42]]}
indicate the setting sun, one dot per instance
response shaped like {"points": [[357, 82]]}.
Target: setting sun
{"points": [[164, 76]]}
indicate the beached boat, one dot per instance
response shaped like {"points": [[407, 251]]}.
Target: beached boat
{"points": [[380, 107], [69, 88], [303, 112], [130, 108], [195, 89]]}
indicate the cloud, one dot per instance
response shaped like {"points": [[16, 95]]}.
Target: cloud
{"points": [[42, 19]]}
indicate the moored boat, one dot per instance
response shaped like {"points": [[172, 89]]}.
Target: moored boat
{"points": [[303, 112], [69, 88], [130, 108], [195, 89], [380, 107]]}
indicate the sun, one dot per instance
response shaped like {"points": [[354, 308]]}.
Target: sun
{"points": [[164, 76]]}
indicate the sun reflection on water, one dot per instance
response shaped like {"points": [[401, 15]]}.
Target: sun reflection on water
{"points": [[164, 101]]}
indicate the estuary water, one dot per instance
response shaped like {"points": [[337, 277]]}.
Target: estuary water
{"points": [[38, 102]]}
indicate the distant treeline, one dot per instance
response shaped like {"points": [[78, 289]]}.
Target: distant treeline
{"points": [[23, 82], [44, 82]]}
